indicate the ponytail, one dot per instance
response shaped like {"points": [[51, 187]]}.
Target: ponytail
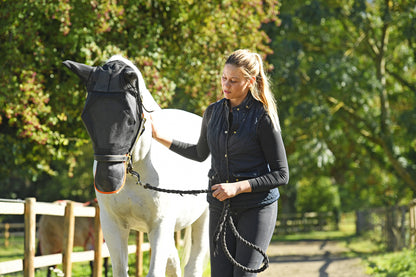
{"points": [[252, 65]]}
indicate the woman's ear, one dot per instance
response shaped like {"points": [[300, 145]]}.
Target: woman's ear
{"points": [[252, 80]]}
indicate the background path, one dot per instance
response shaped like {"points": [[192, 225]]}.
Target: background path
{"points": [[311, 259]]}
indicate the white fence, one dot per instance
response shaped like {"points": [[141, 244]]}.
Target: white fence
{"points": [[30, 208]]}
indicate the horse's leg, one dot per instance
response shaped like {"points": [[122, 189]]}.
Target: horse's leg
{"points": [[163, 248], [173, 266], [199, 248], [106, 266], [116, 237]]}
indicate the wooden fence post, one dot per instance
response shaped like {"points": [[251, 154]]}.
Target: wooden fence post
{"points": [[139, 253], [177, 239], [68, 243], [98, 244], [412, 223], [30, 238], [6, 234]]}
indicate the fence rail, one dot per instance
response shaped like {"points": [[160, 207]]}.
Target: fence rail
{"points": [[305, 222], [9, 229], [395, 225], [30, 208]]}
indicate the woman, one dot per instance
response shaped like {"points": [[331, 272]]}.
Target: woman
{"points": [[248, 161]]}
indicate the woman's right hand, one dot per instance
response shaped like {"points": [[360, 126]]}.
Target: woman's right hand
{"points": [[165, 140], [224, 191], [154, 131]]}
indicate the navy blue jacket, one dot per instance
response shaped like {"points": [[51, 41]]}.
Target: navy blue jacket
{"points": [[244, 145]]}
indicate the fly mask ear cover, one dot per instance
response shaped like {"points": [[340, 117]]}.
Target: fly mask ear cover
{"points": [[112, 116]]}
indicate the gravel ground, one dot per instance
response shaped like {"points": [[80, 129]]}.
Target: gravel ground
{"points": [[311, 259]]}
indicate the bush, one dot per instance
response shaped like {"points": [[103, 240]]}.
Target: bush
{"points": [[398, 264]]}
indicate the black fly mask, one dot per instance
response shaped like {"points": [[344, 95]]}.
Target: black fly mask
{"points": [[113, 117]]}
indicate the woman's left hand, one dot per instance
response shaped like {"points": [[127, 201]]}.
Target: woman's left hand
{"points": [[224, 191]]}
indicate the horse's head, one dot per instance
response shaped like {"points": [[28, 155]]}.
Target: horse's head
{"points": [[113, 117]]}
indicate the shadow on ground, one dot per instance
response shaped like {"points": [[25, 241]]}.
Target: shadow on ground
{"points": [[311, 258]]}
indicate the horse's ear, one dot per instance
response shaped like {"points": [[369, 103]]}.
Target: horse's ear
{"points": [[82, 70], [130, 76]]}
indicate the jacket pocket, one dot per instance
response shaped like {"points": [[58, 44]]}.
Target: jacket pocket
{"points": [[213, 177], [239, 176]]}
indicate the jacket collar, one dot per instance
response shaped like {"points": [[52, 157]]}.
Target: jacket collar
{"points": [[246, 104]]}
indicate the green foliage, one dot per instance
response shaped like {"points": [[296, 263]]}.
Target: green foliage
{"points": [[321, 195], [178, 45], [344, 73], [399, 264]]}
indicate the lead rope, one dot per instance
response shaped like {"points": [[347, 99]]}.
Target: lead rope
{"points": [[221, 230], [220, 234], [148, 186]]}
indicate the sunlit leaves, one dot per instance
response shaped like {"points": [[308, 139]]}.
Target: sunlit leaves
{"points": [[178, 45], [333, 61]]}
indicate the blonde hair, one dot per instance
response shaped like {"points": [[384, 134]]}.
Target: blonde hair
{"points": [[252, 66]]}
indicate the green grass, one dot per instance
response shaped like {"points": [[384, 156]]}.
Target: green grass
{"points": [[397, 264], [15, 251], [359, 246], [346, 229], [366, 247]]}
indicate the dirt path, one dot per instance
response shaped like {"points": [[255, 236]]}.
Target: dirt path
{"points": [[311, 259]]}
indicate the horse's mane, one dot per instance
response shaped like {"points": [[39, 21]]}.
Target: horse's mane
{"points": [[148, 101]]}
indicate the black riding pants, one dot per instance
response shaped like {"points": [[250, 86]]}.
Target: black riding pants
{"points": [[256, 225]]}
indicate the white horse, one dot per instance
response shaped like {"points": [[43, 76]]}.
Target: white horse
{"points": [[156, 213]]}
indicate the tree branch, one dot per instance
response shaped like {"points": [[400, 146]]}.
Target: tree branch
{"points": [[339, 105], [352, 120], [401, 80]]}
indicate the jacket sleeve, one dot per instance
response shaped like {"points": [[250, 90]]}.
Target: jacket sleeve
{"points": [[275, 154], [198, 152]]}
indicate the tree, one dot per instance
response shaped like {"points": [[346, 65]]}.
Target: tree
{"points": [[346, 72], [320, 196], [178, 45]]}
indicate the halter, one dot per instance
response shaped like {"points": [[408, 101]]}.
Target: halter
{"points": [[128, 157], [114, 118]]}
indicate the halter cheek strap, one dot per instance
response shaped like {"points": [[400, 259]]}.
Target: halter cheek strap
{"points": [[111, 158], [114, 168], [112, 180], [126, 157]]}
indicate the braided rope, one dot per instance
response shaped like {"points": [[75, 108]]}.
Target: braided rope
{"points": [[148, 186], [222, 231], [181, 192], [221, 227]]}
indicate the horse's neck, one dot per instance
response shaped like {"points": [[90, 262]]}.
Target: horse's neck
{"points": [[144, 142], [149, 102], [141, 155]]}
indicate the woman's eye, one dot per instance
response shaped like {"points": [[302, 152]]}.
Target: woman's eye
{"points": [[231, 81]]}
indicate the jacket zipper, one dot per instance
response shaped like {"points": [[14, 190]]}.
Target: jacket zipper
{"points": [[227, 133]]}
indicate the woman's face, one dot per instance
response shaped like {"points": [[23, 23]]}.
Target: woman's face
{"points": [[234, 85]]}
